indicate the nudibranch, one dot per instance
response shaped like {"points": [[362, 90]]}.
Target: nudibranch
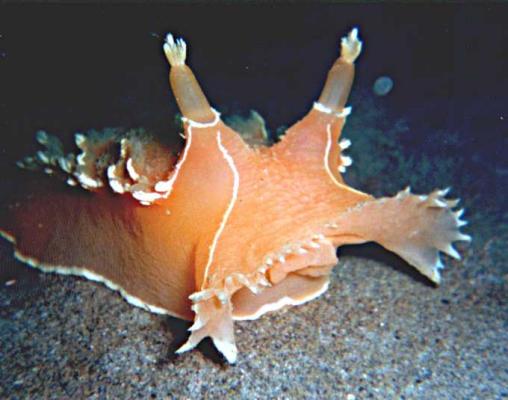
{"points": [[228, 228]]}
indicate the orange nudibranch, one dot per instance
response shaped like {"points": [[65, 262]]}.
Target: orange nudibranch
{"points": [[224, 230]]}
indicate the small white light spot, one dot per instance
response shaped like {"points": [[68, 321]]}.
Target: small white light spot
{"points": [[10, 282]]}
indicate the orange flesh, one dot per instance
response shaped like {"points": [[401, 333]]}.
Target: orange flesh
{"points": [[233, 216]]}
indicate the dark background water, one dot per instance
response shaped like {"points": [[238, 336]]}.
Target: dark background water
{"points": [[66, 68], [375, 333]]}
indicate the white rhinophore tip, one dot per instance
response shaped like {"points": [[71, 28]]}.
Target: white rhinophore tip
{"points": [[351, 46], [175, 50]]}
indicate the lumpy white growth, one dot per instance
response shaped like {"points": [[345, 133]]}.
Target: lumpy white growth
{"points": [[114, 182], [131, 170], [146, 197], [87, 182]]}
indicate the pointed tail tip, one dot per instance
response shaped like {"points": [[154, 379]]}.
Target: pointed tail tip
{"points": [[227, 349], [185, 347]]}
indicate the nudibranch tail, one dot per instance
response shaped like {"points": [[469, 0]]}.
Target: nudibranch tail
{"points": [[188, 93]]}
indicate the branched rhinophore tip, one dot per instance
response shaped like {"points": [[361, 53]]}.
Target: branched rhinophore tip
{"points": [[175, 50], [351, 46]]}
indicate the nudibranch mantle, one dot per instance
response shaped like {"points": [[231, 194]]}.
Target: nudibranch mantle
{"points": [[228, 228]]}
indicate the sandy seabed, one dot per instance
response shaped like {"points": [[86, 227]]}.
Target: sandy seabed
{"points": [[381, 331]]}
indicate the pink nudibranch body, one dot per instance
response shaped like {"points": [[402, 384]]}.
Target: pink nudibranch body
{"points": [[225, 230]]}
